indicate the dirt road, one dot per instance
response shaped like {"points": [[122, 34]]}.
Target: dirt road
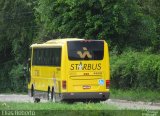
{"points": [[122, 104]]}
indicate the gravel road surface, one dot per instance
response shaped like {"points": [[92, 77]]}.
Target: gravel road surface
{"points": [[122, 104]]}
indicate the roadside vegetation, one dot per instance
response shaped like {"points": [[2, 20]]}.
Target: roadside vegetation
{"points": [[136, 95], [56, 106], [135, 70], [64, 109], [135, 76]]}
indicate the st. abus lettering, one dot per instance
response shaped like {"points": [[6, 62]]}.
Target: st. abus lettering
{"points": [[85, 66]]}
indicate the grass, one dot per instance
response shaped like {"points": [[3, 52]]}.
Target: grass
{"points": [[64, 109], [136, 95], [56, 106]]}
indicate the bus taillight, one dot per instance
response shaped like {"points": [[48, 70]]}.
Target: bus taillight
{"points": [[64, 84], [107, 84]]}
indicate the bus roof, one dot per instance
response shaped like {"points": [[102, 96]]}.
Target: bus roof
{"points": [[56, 42]]}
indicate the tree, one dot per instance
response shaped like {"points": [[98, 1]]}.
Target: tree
{"points": [[152, 8], [121, 23], [16, 33]]}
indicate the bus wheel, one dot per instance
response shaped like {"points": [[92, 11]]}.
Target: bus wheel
{"points": [[53, 98], [48, 94], [32, 91]]}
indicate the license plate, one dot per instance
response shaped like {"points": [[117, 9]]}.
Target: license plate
{"points": [[86, 87]]}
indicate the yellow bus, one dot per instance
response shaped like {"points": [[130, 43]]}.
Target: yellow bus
{"points": [[70, 69]]}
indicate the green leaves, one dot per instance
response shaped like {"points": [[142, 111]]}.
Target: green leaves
{"points": [[122, 21], [135, 70], [16, 34], [17, 20]]}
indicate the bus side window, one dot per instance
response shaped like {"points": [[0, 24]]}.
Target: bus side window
{"points": [[47, 56], [51, 54], [57, 57]]}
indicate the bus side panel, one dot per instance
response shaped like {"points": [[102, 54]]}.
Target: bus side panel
{"points": [[64, 69], [42, 77]]}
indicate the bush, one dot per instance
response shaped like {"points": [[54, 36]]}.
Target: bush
{"points": [[5, 82], [18, 81], [135, 70], [149, 71]]}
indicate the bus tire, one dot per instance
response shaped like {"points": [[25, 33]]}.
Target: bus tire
{"points": [[32, 91], [53, 98], [48, 94]]}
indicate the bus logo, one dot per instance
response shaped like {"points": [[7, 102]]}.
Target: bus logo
{"points": [[84, 54], [80, 66]]}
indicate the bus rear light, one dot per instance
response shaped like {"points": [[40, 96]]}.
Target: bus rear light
{"points": [[64, 85], [107, 84]]}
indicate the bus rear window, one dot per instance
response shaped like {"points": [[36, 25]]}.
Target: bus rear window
{"points": [[81, 50]]}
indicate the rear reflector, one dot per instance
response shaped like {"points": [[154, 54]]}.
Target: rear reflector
{"points": [[107, 84], [64, 84]]}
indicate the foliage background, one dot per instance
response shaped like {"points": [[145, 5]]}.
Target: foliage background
{"points": [[131, 28]]}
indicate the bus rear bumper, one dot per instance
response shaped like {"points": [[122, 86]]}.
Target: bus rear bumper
{"points": [[86, 95]]}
